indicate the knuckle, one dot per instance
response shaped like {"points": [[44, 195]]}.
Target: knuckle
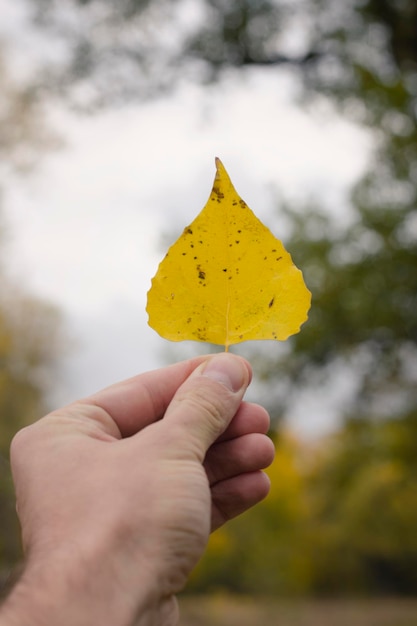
{"points": [[214, 406], [20, 440]]}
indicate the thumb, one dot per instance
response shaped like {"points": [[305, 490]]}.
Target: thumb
{"points": [[205, 404]]}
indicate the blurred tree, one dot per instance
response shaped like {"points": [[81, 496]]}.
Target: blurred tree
{"points": [[108, 50], [24, 134], [30, 330], [112, 51], [362, 500], [340, 519], [264, 551], [30, 342]]}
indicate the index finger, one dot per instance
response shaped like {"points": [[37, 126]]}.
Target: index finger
{"points": [[137, 402]]}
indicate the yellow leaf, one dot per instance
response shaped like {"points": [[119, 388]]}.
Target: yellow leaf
{"points": [[227, 279]]}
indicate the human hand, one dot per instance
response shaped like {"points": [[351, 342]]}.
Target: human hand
{"points": [[116, 503]]}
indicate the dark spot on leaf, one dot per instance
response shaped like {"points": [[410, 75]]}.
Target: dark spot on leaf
{"points": [[239, 231], [189, 320], [217, 191], [201, 333], [279, 258], [237, 241], [225, 269], [184, 253], [188, 231], [201, 275], [271, 302], [242, 203]]}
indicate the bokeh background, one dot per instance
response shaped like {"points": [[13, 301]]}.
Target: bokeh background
{"points": [[111, 114]]}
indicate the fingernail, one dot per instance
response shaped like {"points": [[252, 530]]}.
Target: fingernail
{"points": [[228, 370]]}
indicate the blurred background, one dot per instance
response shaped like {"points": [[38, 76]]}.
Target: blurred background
{"points": [[111, 114]]}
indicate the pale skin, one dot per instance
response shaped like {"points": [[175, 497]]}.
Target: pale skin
{"points": [[117, 493]]}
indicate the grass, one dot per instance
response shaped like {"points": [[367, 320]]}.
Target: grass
{"points": [[223, 610]]}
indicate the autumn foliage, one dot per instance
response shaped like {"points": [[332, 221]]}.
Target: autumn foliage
{"points": [[227, 279], [31, 338], [340, 519]]}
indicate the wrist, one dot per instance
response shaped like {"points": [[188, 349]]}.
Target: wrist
{"points": [[79, 589]]}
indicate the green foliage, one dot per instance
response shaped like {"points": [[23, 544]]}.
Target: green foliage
{"points": [[364, 287], [339, 520], [352, 51], [364, 509], [30, 341], [24, 132], [258, 552]]}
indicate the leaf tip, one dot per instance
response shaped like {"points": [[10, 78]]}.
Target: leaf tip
{"points": [[219, 166]]}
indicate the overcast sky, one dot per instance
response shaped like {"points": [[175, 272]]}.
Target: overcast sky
{"points": [[89, 227]]}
